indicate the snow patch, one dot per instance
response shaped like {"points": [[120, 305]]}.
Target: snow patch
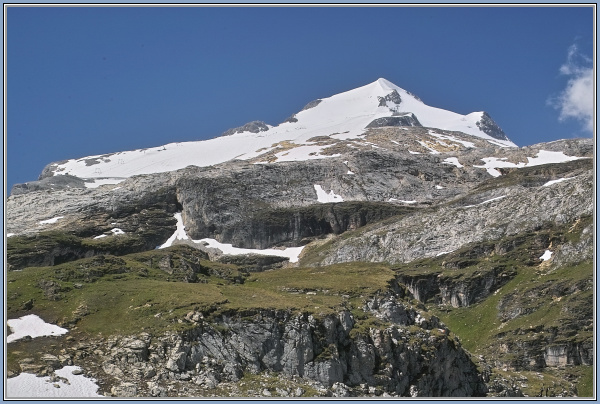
{"points": [[546, 256], [33, 326], [439, 187], [401, 201], [117, 232], [549, 157], [324, 197], [454, 161], [10, 235], [488, 201], [291, 252], [542, 157], [443, 253], [179, 234], [491, 163], [556, 181], [103, 181], [413, 152], [53, 220], [349, 171], [100, 236], [30, 385]]}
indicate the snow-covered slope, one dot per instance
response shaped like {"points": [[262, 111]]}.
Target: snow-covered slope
{"points": [[342, 116]]}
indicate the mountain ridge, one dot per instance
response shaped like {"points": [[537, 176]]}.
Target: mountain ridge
{"points": [[341, 117]]}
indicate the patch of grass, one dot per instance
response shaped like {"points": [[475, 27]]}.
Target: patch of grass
{"points": [[136, 292], [476, 324], [364, 324], [585, 384], [253, 384], [320, 290], [143, 305], [115, 245], [551, 382]]}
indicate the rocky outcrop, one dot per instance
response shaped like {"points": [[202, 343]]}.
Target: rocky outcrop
{"points": [[487, 125], [410, 356], [445, 290], [48, 183], [569, 354], [392, 97], [142, 231], [253, 127], [311, 104], [404, 120]]}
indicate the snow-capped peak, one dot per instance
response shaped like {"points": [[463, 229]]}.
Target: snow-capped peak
{"points": [[386, 84], [340, 117]]}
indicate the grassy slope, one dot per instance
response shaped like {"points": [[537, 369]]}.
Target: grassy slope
{"points": [[147, 298]]}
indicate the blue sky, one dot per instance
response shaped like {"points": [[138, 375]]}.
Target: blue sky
{"points": [[93, 80]]}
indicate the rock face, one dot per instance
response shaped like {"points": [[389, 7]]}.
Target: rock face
{"points": [[410, 357], [482, 215], [404, 120], [487, 125]]}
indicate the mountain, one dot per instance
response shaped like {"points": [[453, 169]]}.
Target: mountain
{"points": [[364, 247], [342, 117]]}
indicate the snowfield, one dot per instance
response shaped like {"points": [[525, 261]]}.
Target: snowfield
{"points": [[324, 197], [27, 385], [401, 201], [342, 116], [33, 326], [542, 157]]}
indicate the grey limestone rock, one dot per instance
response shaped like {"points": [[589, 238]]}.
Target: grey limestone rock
{"points": [[408, 119], [254, 127], [124, 390], [48, 183], [393, 97], [487, 125], [311, 104], [321, 350]]}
